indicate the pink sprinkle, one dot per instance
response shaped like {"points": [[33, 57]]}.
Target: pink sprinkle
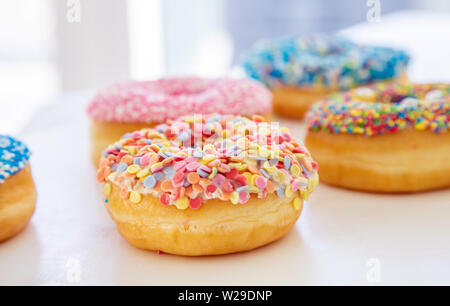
{"points": [[260, 182], [178, 165], [145, 159], [295, 185], [192, 166], [232, 173], [218, 180], [136, 135], [244, 196], [241, 180], [195, 203], [191, 159], [165, 199], [287, 136], [211, 188], [228, 186]]}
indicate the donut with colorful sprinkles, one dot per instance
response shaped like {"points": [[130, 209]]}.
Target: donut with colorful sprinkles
{"points": [[130, 106], [17, 190], [302, 70], [207, 184], [383, 138]]}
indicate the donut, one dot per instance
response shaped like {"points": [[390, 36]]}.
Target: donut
{"points": [[303, 70], [130, 106], [206, 185], [17, 191], [383, 138]]}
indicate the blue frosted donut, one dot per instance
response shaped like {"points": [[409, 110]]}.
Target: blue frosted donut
{"points": [[322, 61], [14, 156]]}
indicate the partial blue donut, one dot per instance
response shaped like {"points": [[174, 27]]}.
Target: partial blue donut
{"points": [[327, 61], [14, 156]]}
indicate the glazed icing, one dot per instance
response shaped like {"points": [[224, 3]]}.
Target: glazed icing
{"points": [[14, 156], [170, 98], [322, 61]]}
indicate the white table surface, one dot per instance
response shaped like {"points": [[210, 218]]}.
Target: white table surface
{"points": [[71, 239]]}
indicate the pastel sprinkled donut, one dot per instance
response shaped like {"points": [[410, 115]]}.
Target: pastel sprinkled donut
{"points": [[203, 185], [133, 105], [385, 137], [17, 191], [302, 70]]}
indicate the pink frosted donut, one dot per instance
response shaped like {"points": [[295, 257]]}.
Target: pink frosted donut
{"points": [[170, 98]]}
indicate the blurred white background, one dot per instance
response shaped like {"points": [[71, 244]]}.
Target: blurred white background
{"points": [[49, 47]]}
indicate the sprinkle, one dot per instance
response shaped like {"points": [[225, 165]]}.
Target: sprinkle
{"points": [[195, 203], [295, 170], [211, 188], [288, 191], [107, 189], [242, 188], [244, 196], [287, 163], [193, 178], [150, 182], [297, 203], [234, 197], [281, 192], [135, 197], [122, 167], [182, 203], [164, 199], [260, 182], [166, 186]]}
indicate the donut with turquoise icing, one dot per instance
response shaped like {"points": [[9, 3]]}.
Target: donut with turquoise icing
{"points": [[383, 138], [129, 106], [206, 185], [302, 70], [17, 190]]}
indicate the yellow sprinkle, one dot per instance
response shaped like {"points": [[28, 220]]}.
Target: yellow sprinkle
{"points": [[242, 167], [133, 169], [281, 176], [253, 189], [107, 189], [155, 165], [209, 158], [235, 165], [288, 191], [234, 197], [182, 203], [297, 203], [254, 177], [295, 170], [304, 194], [143, 173], [155, 147], [299, 155], [112, 176], [248, 176], [131, 149], [135, 197]]}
